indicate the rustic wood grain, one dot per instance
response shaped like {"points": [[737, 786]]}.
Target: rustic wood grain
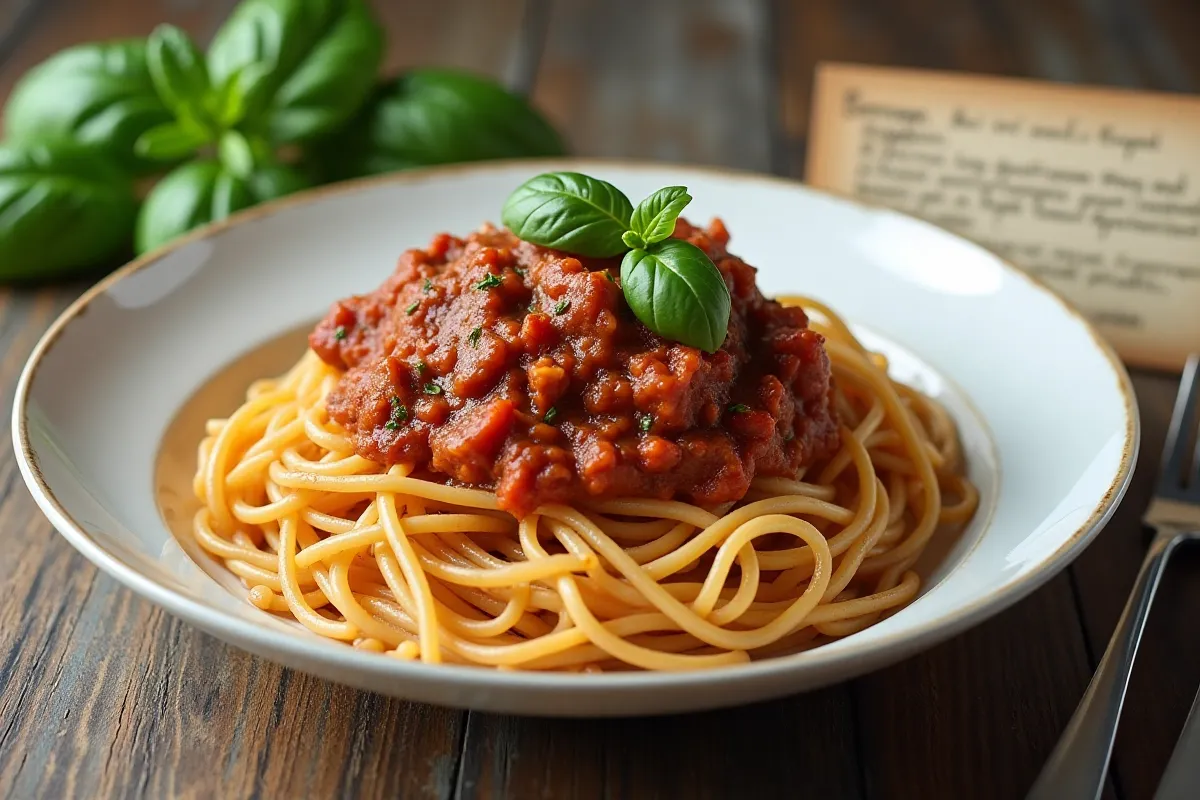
{"points": [[799, 746], [467, 34], [1169, 34], [977, 716], [685, 83]]}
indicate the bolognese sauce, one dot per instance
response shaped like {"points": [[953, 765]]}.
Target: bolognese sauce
{"points": [[499, 363]]}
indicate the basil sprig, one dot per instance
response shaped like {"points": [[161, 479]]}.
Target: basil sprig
{"points": [[672, 286], [287, 93]]}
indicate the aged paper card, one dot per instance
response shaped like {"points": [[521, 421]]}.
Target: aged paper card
{"points": [[1094, 191]]}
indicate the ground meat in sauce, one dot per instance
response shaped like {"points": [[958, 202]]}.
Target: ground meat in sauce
{"points": [[501, 364]]}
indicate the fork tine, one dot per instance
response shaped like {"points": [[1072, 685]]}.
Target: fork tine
{"points": [[1183, 419]]}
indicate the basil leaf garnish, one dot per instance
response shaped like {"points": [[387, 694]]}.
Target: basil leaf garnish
{"points": [[677, 292], [654, 218], [570, 212], [671, 285]]}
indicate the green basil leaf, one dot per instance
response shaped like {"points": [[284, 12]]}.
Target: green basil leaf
{"points": [[654, 218], [571, 212], [179, 73], [437, 116], [200, 192], [170, 141], [97, 96], [633, 240], [63, 210], [236, 155], [235, 98], [227, 103], [677, 292], [324, 55]]}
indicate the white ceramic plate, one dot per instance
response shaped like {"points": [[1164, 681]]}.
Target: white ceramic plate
{"points": [[1045, 409]]}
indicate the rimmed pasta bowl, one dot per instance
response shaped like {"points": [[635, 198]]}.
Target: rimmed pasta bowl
{"points": [[107, 445]]}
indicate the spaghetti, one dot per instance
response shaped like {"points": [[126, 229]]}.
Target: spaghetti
{"points": [[417, 569]]}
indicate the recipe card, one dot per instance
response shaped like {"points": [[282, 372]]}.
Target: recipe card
{"points": [[1096, 192]]}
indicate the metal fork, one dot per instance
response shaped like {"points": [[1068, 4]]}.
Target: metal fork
{"points": [[1079, 763]]}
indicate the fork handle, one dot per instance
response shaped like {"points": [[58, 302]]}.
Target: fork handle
{"points": [[1181, 781], [1079, 763]]}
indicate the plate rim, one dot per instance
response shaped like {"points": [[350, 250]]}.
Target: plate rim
{"points": [[299, 649]]}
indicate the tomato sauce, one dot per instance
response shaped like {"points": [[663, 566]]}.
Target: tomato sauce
{"points": [[501, 364]]}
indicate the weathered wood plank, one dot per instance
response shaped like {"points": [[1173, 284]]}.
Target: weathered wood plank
{"points": [[977, 716], [1167, 33], [800, 744], [675, 81], [480, 35]]}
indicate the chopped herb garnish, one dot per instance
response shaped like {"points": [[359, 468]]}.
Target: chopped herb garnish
{"points": [[473, 336], [520, 272], [532, 307], [739, 408], [427, 286], [432, 388], [412, 307], [561, 307], [420, 366], [608, 275], [550, 415], [340, 332], [489, 281], [645, 423], [399, 413], [791, 435]]}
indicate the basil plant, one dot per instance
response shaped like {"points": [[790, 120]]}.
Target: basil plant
{"points": [[135, 141]]}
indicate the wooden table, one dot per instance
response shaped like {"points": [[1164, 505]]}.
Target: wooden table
{"points": [[103, 694]]}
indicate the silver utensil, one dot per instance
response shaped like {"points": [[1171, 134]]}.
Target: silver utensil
{"points": [[1181, 781], [1077, 767]]}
